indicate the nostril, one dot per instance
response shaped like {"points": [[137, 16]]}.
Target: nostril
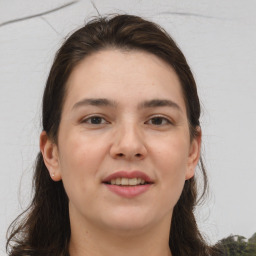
{"points": [[138, 155], [120, 154]]}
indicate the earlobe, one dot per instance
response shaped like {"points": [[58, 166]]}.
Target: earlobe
{"points": [[194, 154], [49, 151]]}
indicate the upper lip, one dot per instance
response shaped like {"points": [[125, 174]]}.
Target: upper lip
{"points": [[129, 175]]}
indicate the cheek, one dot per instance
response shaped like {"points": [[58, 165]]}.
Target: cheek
{"points": [[79, 152], [172, 154], [170, 160], [79, 163]]}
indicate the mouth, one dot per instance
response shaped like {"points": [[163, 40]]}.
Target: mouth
{"points": [[125, 178], [128, 184]]}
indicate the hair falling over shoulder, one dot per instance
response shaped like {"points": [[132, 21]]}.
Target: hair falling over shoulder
{"points": [[44, 228]]}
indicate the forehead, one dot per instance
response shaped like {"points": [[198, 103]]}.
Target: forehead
{"points": [[122, 76]]}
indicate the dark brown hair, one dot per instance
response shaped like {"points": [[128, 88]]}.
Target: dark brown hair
{"points": [[44, 228]]}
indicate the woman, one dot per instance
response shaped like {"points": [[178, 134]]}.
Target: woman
{"points": [[120, 143]]}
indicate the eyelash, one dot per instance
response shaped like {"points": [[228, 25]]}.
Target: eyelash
{"points": [[100, 118], [86, 120], [166, 120]]}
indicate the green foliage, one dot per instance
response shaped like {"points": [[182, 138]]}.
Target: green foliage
{"points": [[238, 246]]}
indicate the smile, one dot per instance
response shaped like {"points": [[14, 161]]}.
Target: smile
{"points": [[128, 184]]}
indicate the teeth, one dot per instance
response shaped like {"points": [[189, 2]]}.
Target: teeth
{"points": [[124, 181], [132, 182], [127, 182]]}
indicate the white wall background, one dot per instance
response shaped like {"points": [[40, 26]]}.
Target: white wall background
{"points": [[219, 40]]}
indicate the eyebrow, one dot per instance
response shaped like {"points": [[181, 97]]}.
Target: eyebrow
{"points": [[95, 102], [99, 102], [159, 103]]}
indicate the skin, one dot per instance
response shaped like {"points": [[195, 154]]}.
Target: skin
{"points": [[126, 135]]}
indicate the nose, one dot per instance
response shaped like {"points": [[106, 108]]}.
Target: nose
{"points": [[129, 144]]}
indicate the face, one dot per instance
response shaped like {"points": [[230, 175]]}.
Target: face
{"points": [[124, 149]]}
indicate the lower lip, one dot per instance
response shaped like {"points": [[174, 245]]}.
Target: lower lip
{"points": [[128, 191]]}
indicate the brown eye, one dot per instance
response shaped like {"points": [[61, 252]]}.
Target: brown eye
{"points": [[159, 121], [96, 120]]}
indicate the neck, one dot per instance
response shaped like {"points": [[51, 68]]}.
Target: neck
{"points": [[89, 240]]}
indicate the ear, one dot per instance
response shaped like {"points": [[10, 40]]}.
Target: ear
{"points": [[49, 151], [194, 154]]}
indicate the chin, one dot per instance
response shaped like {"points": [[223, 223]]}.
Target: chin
{"points": [[128, 222], [126, 229]]}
